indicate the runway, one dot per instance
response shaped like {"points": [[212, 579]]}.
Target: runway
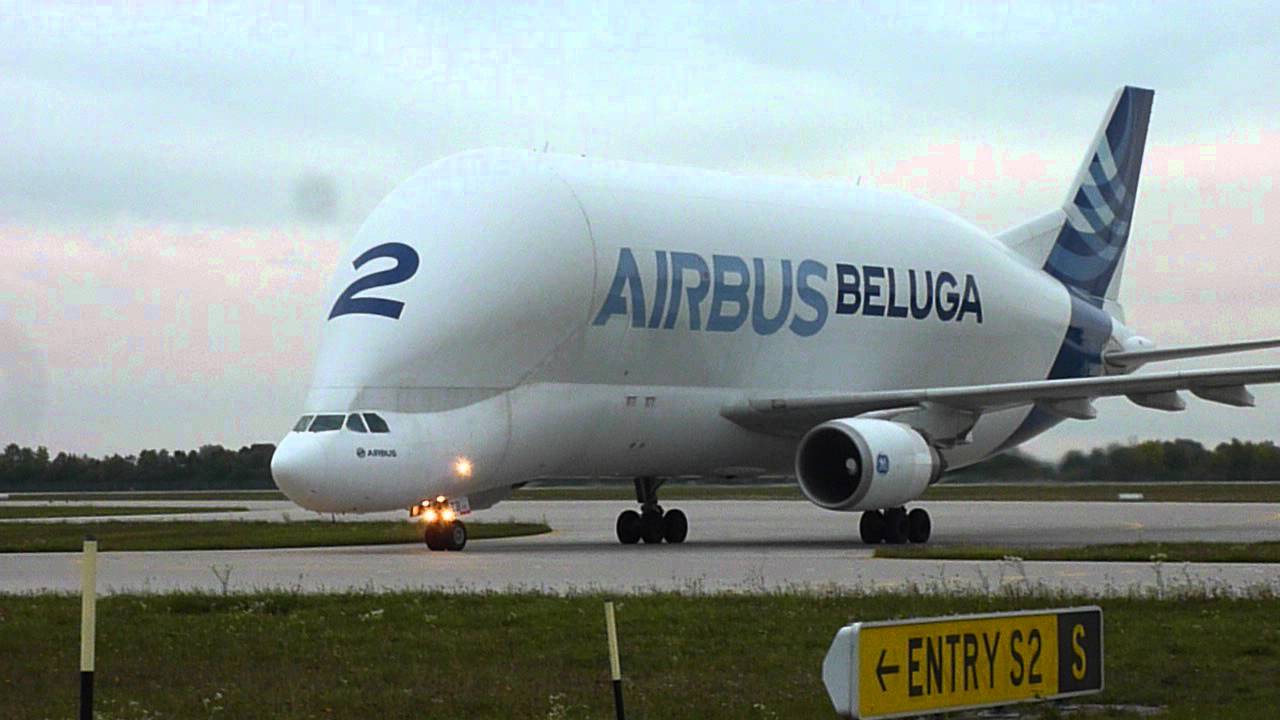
{"points": [[733, 545]]}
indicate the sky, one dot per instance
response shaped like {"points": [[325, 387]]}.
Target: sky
{"points": [[177, 181]]}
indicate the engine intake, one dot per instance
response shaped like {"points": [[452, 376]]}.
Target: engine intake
{"points": [[865, 464]]}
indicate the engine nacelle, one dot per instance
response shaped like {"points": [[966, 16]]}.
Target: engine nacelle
{"points": [[865, 464]]}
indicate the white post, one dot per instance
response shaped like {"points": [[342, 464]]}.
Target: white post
{"points": [[615, 664], [88, 610]]}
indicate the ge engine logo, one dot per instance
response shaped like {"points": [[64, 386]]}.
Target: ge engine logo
{"points": [[882, 463], [360, 452]]}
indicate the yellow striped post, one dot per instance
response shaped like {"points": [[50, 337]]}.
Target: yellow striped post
{"points": [[88, 609]]}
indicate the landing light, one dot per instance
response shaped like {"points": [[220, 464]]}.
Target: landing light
{"points": [[447, 515], [430, 515], [462, 468]]}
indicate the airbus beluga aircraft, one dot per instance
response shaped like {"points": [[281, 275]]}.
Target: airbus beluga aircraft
{"points": [[507, 316]]}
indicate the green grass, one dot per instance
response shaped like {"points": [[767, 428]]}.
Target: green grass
{"points": [[229, 534], [432, 655], [17, 512], [1259, 552]]}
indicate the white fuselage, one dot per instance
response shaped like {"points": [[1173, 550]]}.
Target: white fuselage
{"points": [[581, 318]]}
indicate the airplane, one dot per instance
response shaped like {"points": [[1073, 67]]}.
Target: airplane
{"points": [[507, 316]]}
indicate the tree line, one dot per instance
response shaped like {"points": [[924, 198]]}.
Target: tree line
{"points": [[1148, 461], [213, 467]]}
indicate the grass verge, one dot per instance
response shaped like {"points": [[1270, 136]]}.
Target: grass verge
{"points": [[1259, 552], [22, 512], [230, 534], [538, 656]]}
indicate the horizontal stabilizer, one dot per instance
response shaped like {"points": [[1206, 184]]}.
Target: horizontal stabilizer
{"points": [[795, 415], [1133, 358]]}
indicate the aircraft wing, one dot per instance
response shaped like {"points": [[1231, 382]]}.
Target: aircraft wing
{"points": [[1068, 397]]}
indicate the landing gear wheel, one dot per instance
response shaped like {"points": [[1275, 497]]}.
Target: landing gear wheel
{"points": [[651, 530], [435, 537], [675, 526], [919, 526], [871, 527], [455, 535], [628, 527], [895, 526]]}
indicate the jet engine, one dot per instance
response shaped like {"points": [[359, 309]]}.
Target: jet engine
{"points": [[865, 464]]}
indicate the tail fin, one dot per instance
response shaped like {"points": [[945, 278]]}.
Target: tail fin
{"points": [[1090, 232]]}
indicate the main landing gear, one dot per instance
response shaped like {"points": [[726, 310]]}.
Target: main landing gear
{"points": [[651, 524], [895, 526]]}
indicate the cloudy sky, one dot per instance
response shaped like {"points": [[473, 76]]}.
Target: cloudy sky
{"points": [[176, 182]]}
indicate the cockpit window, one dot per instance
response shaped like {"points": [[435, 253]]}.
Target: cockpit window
{"points": [[376, 423], [355, 424], [326, 423], [302, 423]]}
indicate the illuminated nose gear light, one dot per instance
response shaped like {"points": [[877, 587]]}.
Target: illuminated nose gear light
{"points": [[439, 510]]}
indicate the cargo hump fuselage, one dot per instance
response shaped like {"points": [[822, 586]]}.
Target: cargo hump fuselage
{"points": [[551, 316]]}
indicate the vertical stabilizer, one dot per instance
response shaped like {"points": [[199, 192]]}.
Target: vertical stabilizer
{"points": [[1089, 248]]}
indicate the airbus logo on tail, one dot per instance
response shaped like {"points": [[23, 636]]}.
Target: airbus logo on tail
{"points": [[730, 292]]}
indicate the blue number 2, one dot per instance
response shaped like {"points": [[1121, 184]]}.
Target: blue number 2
{"points": [[406, 265]]}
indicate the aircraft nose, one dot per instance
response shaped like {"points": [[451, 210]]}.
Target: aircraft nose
{"points": [[298, 468]]}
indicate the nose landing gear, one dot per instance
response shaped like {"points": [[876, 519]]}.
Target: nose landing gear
{"points": [[442, 530], [895, 526], [651, 524], [446, 536]]}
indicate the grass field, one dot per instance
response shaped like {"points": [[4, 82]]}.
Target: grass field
{"points": [[1266, 552], [430, 655], [229, 535], [17, 512]]}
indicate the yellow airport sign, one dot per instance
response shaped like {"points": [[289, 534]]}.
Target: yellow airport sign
{"points": [[925, 665]]}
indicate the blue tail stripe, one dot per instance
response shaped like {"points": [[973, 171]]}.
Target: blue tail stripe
{"points": [[1086, 245], [1085, 259]]}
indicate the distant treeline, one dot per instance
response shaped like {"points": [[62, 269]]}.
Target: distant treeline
{"points": [[214, 467], [1149, 461]]}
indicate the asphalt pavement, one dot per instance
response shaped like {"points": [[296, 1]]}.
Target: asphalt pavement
{"points": [[732, 545]]}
